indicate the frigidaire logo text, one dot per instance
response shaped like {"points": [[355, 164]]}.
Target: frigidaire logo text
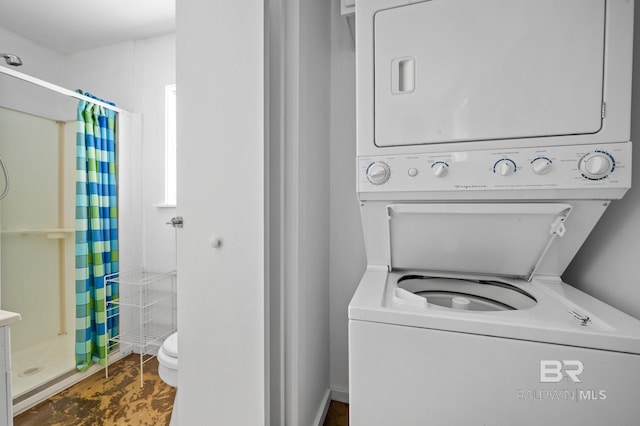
{"points": [[469, 186], [553, 371]]}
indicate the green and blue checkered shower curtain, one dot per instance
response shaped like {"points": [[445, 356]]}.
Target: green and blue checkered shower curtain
{"points": [[96, 231]]}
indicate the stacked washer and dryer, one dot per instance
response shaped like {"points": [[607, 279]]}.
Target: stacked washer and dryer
{"points": [[491, 137]]}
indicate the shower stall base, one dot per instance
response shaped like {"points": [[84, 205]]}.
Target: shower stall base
{"points": [[46, 369], [41, 363]]}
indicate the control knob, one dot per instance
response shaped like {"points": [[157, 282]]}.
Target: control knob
{"points": [[541, 165], [596, 165], [504, 167], [440, 169], [378, 173]]}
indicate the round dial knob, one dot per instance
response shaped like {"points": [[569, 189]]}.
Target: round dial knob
{"points": [[504, 167], [541, 165], [378, 173], [596, 165], [440, 169]]}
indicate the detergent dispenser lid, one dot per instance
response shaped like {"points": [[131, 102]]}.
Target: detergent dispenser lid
{"points": [[502, 239], [170, 345]]}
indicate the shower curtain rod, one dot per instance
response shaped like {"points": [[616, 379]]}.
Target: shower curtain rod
{"points": [[33, 80]]}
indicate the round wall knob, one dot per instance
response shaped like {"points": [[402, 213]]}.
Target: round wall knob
{"points": [[541, 165], [504, 167], [596, 165], [440, 169], [215, 242], [378, 173]]}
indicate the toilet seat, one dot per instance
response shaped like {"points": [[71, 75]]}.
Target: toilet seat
{"points": [[170, 345], [168, 352], [166, 360]]}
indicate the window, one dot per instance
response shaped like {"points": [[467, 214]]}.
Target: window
{"points": [[170, 192]]}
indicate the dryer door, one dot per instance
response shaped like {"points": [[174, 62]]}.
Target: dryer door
{"points": [[468, 70]]}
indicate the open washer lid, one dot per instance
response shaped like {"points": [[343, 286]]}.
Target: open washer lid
{"points": [[487, 239]]}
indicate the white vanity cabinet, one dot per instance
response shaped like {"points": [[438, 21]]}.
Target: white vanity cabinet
{"points": [[6, 403]]}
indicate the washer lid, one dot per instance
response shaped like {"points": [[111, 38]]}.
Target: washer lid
{"points": [[487, 239]]}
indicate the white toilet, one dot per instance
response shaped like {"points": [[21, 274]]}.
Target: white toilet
{"points": [[168, 369]]}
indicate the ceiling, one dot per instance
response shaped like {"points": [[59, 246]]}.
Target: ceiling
{"points": [[69, 26]]}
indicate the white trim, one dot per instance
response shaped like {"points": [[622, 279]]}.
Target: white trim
{"points": [[323, 409], [170, 144], [275, 226], [59, 89], [340, 394], [291, 213]]}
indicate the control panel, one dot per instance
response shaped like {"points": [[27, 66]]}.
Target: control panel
{"points": [[555, 167]]}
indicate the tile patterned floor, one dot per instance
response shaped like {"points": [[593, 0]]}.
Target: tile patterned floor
{"points": [[118, 400], [338, 414]]}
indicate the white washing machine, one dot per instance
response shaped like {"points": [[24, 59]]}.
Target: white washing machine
{"points": [[492, 136]]}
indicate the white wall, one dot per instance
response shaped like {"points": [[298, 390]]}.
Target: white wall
{"points": [[277, 339], [607, 265], [221, 191], [307, 206], [107, 72], [133, 74], [155, 68], [348, 258], [39, 62]]}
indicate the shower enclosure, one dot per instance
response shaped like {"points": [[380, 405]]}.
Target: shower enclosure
{"points": [[37, 245], [37, 230]]}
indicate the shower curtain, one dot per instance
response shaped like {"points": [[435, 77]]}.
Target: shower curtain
{"points": [[96, 232]]}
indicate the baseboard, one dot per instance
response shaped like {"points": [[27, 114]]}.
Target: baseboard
{"points": [[323, 409], [340, 394]]}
